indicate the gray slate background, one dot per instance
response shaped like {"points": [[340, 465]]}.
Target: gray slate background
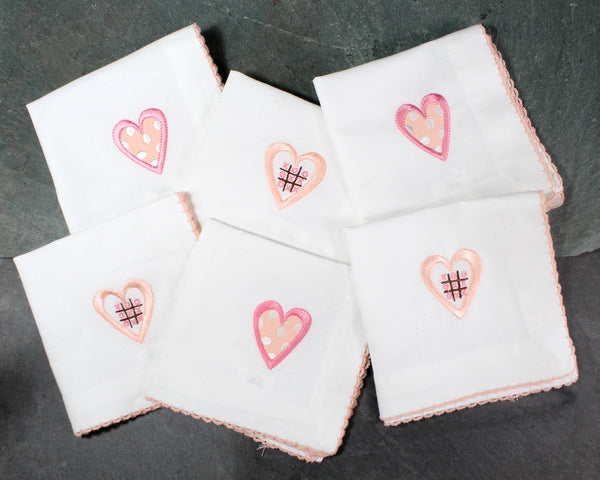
{"points": [[551, 49]]}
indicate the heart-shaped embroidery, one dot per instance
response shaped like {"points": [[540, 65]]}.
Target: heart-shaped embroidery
{"points": [[292, 177], [453, 282], [427, 127], [278, 334], [130, 310], [144, 142]]}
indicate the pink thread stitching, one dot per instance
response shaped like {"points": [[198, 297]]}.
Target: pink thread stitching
{"points": [[143, 287], [309, 454], [311, 183], [464, 254], [505, 392], [120, 419], [162, 153], [407, 108], [187, 210], [556, 197], [208, 56], [302, 314]]}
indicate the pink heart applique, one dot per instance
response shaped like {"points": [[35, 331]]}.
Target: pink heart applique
{"points": [[144, 142], [292, 177], [427, 127], [453, 282], [130, 310], [278, 334]]}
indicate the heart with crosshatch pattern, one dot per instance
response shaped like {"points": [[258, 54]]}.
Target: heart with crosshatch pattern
{"points": [[427, 127], [129, 310], [278, 334], [145, 142], [453, 282], [291, 177]]}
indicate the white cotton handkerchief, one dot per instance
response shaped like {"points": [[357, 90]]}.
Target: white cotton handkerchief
{"points": [[438, 123], [267, 166], [102, 299], [461, 306], [267, 342], [126, 134]]}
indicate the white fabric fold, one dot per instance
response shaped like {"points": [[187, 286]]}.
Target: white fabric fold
{"points": [[267, 342], [126, 134], [439, 342], [438, 123], [261, 143], [102, 299]]}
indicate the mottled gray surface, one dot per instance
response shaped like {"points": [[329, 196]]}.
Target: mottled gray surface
{"points": [[546, 435], [551, 48]]}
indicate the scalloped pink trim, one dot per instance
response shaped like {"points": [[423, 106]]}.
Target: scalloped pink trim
{"points": [[557, 197], [505, 392], [211, 62], [189, 213], [120, 419], [305, 453]]}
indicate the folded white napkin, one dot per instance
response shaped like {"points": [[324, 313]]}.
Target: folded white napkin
{"points": [[267, 342], [101, 299], [126, 134], [461, 306], [268, 166], [437, 123]]}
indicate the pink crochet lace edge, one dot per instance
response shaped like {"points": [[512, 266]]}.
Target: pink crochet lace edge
{"points": [[302, 452], [504, 393], [556, 198], [187, 210], [211, 62], [120, 419]]}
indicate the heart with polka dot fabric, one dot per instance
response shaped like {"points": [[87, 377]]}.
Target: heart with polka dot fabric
{"points": [[427, 127], [278, 334], [145, 142]]}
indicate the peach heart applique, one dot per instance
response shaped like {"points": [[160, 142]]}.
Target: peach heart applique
{"points": [[453, 282], [427, 127], [130, 310], [278, 334], [144, 142], [292, 177]]}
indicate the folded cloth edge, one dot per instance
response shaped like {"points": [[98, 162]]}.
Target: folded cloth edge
{"points": [[511, 392], [294, 449], [209, 58]]}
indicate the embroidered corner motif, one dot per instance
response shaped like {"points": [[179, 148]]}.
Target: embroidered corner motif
{"points": [[278, 334], [453, 282], [130, 310], [291, 177], [427, 127], [145, 142]]}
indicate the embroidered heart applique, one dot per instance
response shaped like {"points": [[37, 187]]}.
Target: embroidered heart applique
{"points": [[278, 334], [292, 177], [144, 142], [453, 282], [128, 311], [427, 127]]}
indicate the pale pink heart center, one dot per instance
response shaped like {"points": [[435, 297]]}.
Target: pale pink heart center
{"points": [[145, 145], [429, 129], [274, 336]]}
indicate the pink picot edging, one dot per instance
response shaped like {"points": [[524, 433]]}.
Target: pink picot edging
{"points": [[211, 62], [504, 393], [120, 419], [189, 213], [556, 198], [301, 452]]}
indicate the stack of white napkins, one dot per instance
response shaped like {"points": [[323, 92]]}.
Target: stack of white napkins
{"points": [[422, 171], [453, 263]]}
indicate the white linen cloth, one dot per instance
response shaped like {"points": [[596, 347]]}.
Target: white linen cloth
{"points": [[126, 134], [262, 142], [471, 137], [440, 343], [101, 300], [267, 342]]}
